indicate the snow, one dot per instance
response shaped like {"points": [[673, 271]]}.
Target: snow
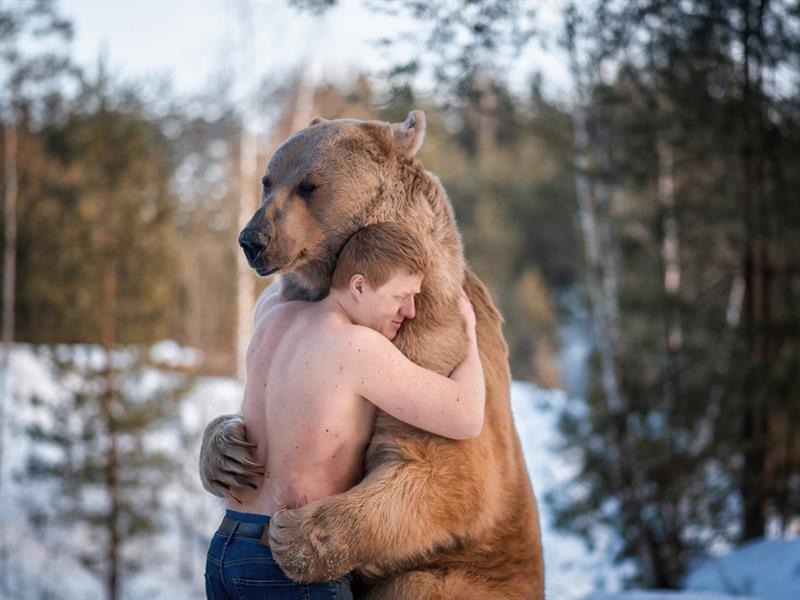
{"points": [[663, 595], [764, 569], [173, 559], [571, 570], [169, 352]]}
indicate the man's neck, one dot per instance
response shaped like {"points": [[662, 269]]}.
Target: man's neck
{"points": [[337, 304]]}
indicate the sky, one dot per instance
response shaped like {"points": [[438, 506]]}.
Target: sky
{"points": [[192, 42]]}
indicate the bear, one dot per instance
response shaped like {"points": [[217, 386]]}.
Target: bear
{"points": [[432, 517]]}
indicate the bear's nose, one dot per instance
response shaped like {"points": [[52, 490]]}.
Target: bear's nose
{"points": [[252, 243]]}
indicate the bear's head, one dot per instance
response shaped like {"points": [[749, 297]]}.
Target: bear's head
{"points": [[321, 186]]}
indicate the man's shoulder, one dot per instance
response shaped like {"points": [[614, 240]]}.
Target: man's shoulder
{"points": [[362, 334], [269, 297], [267, 318], [319, 326], [350, 340], [367, 348]]}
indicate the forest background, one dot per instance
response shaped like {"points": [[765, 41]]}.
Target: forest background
{"points": [[650, 213]]}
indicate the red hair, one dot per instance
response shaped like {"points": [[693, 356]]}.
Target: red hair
{"points": [[376, 252]]}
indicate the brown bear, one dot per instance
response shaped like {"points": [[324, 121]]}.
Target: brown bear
{"points": [[432, 518]]}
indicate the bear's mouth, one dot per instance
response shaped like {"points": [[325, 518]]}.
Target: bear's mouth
{"points": [[264, 271]]}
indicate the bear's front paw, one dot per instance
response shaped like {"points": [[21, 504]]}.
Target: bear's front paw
{"points": [[226, 457], [305, 544]]}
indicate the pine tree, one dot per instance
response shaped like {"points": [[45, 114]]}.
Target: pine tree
{"points": [[685, 137], [97, 223], [29, 76], [707, 409], [101, 451], [99, 262], [205, 154]]}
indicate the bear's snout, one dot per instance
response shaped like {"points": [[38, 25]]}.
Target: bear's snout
{"points": [[253, 243]]}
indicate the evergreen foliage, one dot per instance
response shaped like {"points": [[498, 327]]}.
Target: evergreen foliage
{"points": [[687, 431], [95, 190], [97, 448], [705, 221], [203, 146]]}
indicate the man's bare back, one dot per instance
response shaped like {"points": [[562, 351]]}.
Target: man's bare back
{"points": [[310, 432]]}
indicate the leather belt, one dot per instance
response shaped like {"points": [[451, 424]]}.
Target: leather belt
{"points": [[259, 531]]}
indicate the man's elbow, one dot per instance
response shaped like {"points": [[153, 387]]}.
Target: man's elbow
{"points": [[472, 429], [478, 426]]}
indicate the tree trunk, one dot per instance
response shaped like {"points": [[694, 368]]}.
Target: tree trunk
{"points": [[9, 266], [594, 206], [591, 243], [671, 278], [756, 413], [303, 105], [9, 279], [10, 233], [299, 118], [245, 288], [670, 249], [108, 340], [595, 198]]}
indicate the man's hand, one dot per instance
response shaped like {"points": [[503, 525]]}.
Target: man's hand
{"points": [[226, 457]]}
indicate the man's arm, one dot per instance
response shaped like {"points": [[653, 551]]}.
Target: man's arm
{"points": [[449, 406]]}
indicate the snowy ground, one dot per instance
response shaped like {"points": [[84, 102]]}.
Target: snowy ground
{"points": [[174, 559], [571, 571], [766, 569], [663, 595]]}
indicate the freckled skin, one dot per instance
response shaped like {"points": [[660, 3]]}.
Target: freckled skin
{"points": [[292, 344], [275, 420]]}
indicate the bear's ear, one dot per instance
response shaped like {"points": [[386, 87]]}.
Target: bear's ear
{"points": [[409, 134], [317, 121]]}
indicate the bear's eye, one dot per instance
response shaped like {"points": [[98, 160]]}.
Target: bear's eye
{"points": [[265, 184], [306, 188]]}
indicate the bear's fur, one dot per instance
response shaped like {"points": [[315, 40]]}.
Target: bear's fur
{"points": [[432, 518]]}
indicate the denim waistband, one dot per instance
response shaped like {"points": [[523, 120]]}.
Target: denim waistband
{"points": [[232, 528], [247, 517]]}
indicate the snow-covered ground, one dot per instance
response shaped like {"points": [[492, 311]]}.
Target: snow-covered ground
{"points": [[663, 595], [174, 559], [765, 569], [571, 571], [42, 563]]}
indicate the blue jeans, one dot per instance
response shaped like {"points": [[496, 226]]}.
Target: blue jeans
{"points": [[239, 567]]}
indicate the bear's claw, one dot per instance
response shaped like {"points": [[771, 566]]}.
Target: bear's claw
{"points": [[226, 459], [303, 546]]}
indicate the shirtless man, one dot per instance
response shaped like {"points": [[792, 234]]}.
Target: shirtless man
{"points": [[316, 371]]}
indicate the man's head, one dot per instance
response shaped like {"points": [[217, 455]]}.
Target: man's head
{"points": [[377, 276]]}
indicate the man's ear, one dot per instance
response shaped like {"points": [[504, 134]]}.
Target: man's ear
{"points": [[357, 282], [409, 134], [317, 121]]}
